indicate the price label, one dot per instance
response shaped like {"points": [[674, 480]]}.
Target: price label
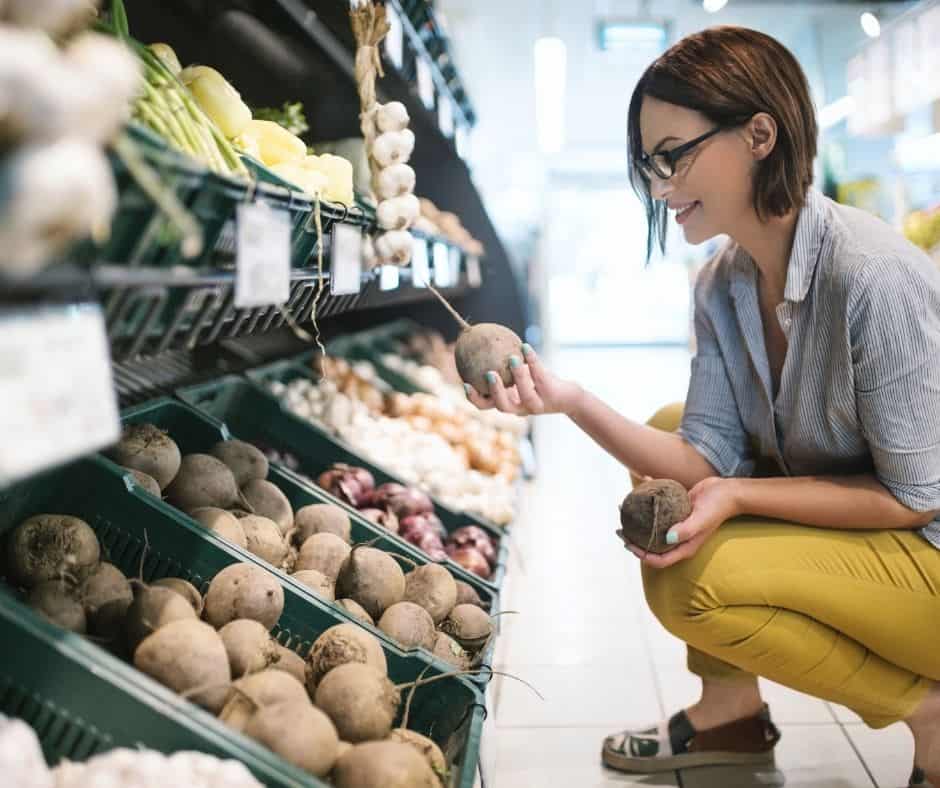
{"points": [[455, 256], [445, 117], [474, 272], [394, 39], [57, 398], [462, 141], [425, 82], [262, 256], [442, 270], [345, 259], [389, 276], [420, 265]]}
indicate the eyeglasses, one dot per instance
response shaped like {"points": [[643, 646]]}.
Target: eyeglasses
{"points": [[663, 163]]}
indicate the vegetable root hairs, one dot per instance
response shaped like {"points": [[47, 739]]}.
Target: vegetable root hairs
{"points": [[411, 695], [464, 325], [419, 682]]}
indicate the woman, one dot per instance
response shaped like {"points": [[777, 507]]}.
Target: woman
{"points": [[818, 359]]}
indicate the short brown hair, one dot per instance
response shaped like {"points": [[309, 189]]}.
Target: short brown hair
{"points": [[730, 74]]}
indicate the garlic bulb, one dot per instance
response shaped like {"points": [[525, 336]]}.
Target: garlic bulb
{"points": [[21, 758], [391, 117], [58, 194], [398, 213], [395, 180], [394, 247], [393, 147]]}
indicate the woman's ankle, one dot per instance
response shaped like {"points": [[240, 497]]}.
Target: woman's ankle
{"points": [[724, 702], [925, 727]]}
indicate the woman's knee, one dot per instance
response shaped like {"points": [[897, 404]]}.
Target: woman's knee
{"points": [[675, 594]]}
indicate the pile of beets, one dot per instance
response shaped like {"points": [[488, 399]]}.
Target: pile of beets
{"points": [[409, 512]]}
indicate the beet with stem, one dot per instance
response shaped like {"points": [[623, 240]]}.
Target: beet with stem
{"points": [[650, 510]]}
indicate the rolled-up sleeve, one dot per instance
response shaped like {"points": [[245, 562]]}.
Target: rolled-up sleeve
{"points": [[711, 422], [895, 328]]}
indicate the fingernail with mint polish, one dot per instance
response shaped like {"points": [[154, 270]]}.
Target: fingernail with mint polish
{"points": [[527, 349], [467, 389], [491, 378], [515, 362], [672, 537]]}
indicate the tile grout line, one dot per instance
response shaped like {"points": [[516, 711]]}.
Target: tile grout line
{"points": [[858, 754]]}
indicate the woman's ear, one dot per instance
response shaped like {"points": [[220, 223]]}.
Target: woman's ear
{"points": [[762, 135]]}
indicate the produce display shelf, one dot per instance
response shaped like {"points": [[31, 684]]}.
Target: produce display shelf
{"points": [[255, 415], [95, 701], [196, 431]]}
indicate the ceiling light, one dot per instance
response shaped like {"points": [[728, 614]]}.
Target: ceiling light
{"points": [[870, 24], [713, 6]]}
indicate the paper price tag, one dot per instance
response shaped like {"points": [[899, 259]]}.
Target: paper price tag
{"points": [[420, 265], [474, 272], [389, 276], [442, 271], [445, 117], [394, 39], [346, 259], [262, 256], [462, 141], [455, 255], [57, 399], [425, 82]]}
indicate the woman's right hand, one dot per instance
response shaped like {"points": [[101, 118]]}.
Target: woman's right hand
{"points": [[535, 391]]}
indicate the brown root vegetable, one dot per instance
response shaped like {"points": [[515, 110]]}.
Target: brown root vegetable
{"points": [[432, 587], [324, 552], [360, 700], [409, 624], [650, 510], [186, 655], [467, 595], [426, 748], [264, 538], [484, 348], [451, 652], [152, 609], [320, 518], [185, 589], [106, 595], [222, 523], [244, 591], [245, 461], [249, 646], [290, 662], [202, 480], [383, 764], [470, 626], [373, 578], [267, 500], [339, 645], [344, 747], [145, 481], [300, 733], [51, 547], [147, 448], [56, 602], [356, 610], [257, 690], [317, 582]]}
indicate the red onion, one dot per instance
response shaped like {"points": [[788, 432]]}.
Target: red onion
{"points": [[411, 501], [437, 554], [349, 484], [380, 517], [470, 559], [380, 495], [477, 538], [425, 520]]}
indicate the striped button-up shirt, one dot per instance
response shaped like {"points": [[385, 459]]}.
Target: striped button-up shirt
{"points": [[860, 386]]}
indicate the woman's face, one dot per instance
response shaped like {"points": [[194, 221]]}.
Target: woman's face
{"points": [[710, 191]]}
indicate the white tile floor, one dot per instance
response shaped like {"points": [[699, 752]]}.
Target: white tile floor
{"points": [[585, 639]]}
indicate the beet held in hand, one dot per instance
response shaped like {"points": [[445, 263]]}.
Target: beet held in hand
{"points": [[650, 510]]}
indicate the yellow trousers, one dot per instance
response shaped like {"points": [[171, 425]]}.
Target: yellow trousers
{"points": [[850, 616]]}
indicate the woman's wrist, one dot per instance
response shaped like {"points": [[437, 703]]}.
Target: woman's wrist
{"points": [[572, 401], [736, 492]]}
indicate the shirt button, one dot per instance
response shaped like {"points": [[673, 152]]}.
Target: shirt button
{"points": [[787, 321]]}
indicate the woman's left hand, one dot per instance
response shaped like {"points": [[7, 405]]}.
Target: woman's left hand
{"points": [[713, 502]]}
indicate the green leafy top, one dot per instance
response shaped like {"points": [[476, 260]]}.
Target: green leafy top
{"points": [[290, 116]]}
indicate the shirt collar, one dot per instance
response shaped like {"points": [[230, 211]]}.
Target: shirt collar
{"points": [[807, 243]]}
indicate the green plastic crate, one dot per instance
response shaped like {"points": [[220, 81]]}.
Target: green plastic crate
{"points": [[254, 414], [126, 519], [196, 432]]}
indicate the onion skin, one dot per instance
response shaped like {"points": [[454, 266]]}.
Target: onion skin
{"points": [[349, 484], [387, 520], [470, 559], [425, 520], [475, 537]]}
